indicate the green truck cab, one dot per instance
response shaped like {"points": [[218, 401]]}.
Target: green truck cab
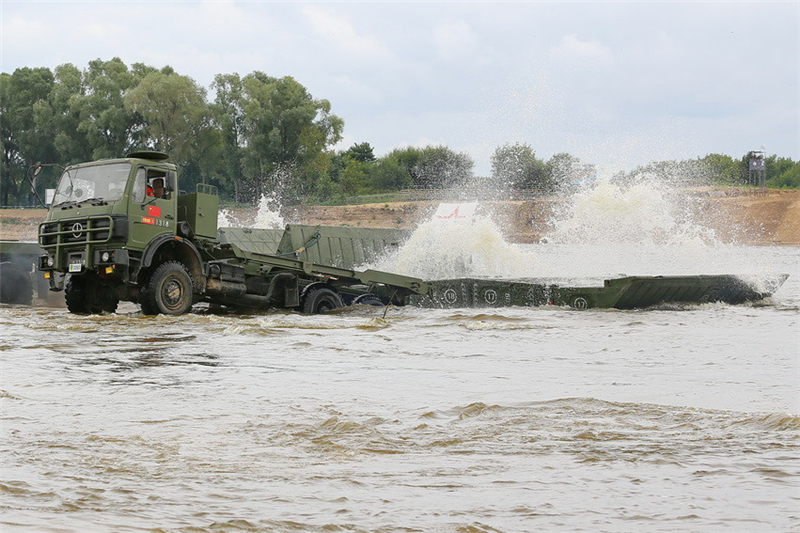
{"points": [[119, 230]]}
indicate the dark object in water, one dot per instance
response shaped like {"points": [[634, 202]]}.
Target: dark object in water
{"points": [[633, 292], [18, 275]]}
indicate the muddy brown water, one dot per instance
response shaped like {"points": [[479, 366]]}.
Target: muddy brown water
{"points": [[671, 419]]}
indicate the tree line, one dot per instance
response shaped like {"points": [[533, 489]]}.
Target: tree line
{"points": [[258, 135]]}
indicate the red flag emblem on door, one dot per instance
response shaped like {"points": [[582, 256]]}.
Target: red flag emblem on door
{"points": [[153, 211]]}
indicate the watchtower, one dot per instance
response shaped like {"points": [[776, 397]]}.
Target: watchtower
{"points": [[757, 170]]}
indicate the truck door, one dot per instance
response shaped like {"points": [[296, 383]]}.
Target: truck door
{"points": [[153, 205]]}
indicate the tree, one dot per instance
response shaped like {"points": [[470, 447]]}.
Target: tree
{"points": [[389, 175], [175, 119], [782, 172], [361, 152], [441, 167], [287, 133], [561, 170], [721, 169], [173, 113], [59, 116], [353, 177], [23, 143], [228, 116], [432, 167], [515, 166], [109, 127], [349, 172]]}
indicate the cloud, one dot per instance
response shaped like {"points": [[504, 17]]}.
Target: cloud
{"points": [[574, 50], [18, 29], [621, 78], [340, 32], [455, 40]]}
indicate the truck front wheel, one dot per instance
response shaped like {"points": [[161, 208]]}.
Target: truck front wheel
{"points": [[88, 294], [169, 290]]}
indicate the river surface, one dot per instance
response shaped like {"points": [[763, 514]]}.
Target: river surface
{"points": [[475, 420]]}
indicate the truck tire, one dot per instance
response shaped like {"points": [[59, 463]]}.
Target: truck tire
{"points": [[369, 299], [73, 295], [169, 291], [88, 294], [321, 300], [15, 285]]}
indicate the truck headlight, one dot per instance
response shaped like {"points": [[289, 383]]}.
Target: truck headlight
{"points": [[105, 257], [50, 261]]}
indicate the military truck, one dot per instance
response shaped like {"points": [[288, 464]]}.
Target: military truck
{"points": [[120, 230]]}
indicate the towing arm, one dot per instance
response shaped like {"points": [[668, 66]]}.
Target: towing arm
{"points": [[268, 263]]}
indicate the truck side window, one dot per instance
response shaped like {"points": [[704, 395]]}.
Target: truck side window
{"points": [[139, 186], [157, 186]]}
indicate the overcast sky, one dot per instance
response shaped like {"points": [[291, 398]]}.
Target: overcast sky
{"points": [[613, 83]]}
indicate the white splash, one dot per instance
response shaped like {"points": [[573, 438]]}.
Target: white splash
{"points": [[643, 213], [269, 213], [267, 216], [645, 228], [450, 247], [226, 219]]}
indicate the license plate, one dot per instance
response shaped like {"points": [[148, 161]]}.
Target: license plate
{"points": [[75, 267]]}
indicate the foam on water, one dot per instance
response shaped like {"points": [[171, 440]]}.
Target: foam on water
{"points": [[454, 248]]}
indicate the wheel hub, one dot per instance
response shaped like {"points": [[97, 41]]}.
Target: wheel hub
{"points": [[172, 292]]}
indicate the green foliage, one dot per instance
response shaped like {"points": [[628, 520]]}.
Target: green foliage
{"points": [[353, 177], [389, 175], [361, 152], [59, 115], [23, 143], [432, 167], [720, 169], [515, 166], [285, 134], [228, 117], [782, 173], [176, 120], [561, 171], [108, 126], [261, 134]]}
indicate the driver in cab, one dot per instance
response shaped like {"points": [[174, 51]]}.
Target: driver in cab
{"points": [[156, 188]]}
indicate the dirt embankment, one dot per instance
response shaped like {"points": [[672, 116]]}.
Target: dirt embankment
{"points": [[770, 219]]}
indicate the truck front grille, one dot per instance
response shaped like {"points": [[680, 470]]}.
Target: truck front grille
{"points": [[94, 230]]}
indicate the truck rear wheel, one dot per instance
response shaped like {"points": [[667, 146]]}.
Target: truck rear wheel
{"points": [[88, 294], [321, 300], [169, 291], [369, 299]]}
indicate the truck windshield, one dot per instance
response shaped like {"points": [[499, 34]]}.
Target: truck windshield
{"points": [[103, 182]]}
